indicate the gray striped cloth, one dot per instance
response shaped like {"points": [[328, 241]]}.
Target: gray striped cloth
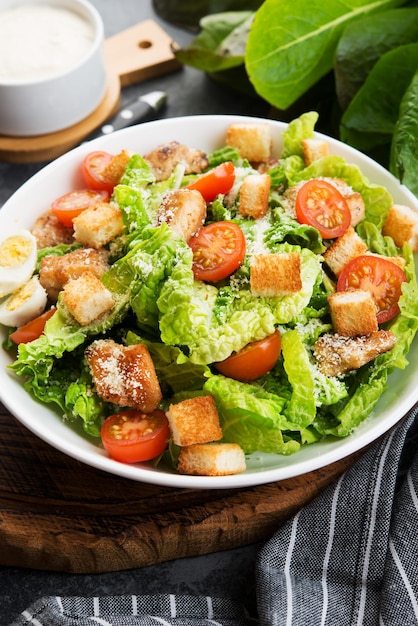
{"points": [[349, 558]]}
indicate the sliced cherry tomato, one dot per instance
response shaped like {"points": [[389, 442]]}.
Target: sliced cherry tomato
{"points": [[92, 168], [71, 204], [253, 361], [381, 277], [219, 180], [132, 436], [218, 250], [321, 205], [33, 329]]}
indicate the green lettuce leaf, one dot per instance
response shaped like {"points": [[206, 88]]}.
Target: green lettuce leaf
{"points": [[286, 53], [188, 317], [221, 42], [404, 146], [362, 43], [251, 416], [369, 121]]}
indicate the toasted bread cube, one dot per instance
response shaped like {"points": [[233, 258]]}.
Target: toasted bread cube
{"points": [[98, 225], [124, 375], [86, 298], [254, 195], [275, 274], [195, 420], [211, 459], [56, 271], [184, 210], [353, 312], [114, 170], [314, 149], [401, 224], [165, 158], [343, 250], [49, 231], [253, 141], [337, 355]]}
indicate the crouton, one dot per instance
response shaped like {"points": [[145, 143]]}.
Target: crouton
{"points": [[86, 298], [211, 459], [254, 195], [253, 141], [401, 224], [195, 420], [98, 225], [343, 250], [164, 159], [184, 210], [353, 312], [124, 375], [337, 355], [275, 274], [56, 271], [49, 231], [314, 149], [114, 170]]}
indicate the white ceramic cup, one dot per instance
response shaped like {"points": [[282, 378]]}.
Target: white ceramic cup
{"points": [[41, 106]]}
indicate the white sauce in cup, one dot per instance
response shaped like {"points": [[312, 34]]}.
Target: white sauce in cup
{"points": [[39, 41]]}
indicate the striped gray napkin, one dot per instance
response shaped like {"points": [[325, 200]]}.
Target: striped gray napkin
{"points": [[348, 558]]}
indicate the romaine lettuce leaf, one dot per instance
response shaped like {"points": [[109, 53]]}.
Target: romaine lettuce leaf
{"points": [[188, 318], [250, 416]]}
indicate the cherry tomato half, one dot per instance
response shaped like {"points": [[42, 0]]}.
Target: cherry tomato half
{"points": [[253, 361], [71, 204], [33, 329], [92, 168], [321, 205], [132, 436], [218, 250], [219, 180], [381, 277]]}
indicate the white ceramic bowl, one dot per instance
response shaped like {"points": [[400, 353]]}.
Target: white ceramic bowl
{"points": [[207, 133], [43, 105]]}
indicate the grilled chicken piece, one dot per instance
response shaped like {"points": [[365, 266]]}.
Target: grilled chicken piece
{"points": [[49, 231], [164, 159], [336, 355]]}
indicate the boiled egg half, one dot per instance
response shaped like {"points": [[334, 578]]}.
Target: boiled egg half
{"points": [[18, 256], [24, 304]]}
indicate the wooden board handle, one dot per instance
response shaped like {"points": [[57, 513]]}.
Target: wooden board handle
{"points": [[140, 52]]}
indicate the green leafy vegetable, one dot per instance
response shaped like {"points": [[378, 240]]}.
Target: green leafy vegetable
{"points": [[370, 119], [292, 45], [404, 147], [364, 50], [362, 43]]}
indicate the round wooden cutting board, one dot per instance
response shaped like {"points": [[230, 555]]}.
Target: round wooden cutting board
{"points": [[141, 52], [59, 514]]}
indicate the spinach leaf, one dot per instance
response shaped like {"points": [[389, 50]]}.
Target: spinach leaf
{"points": [[291, 45], [364, 42], [221, 43], [369, 121], [404, 152]]}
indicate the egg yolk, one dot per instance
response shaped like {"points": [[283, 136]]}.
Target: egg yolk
{"points": [[14, 251]]}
